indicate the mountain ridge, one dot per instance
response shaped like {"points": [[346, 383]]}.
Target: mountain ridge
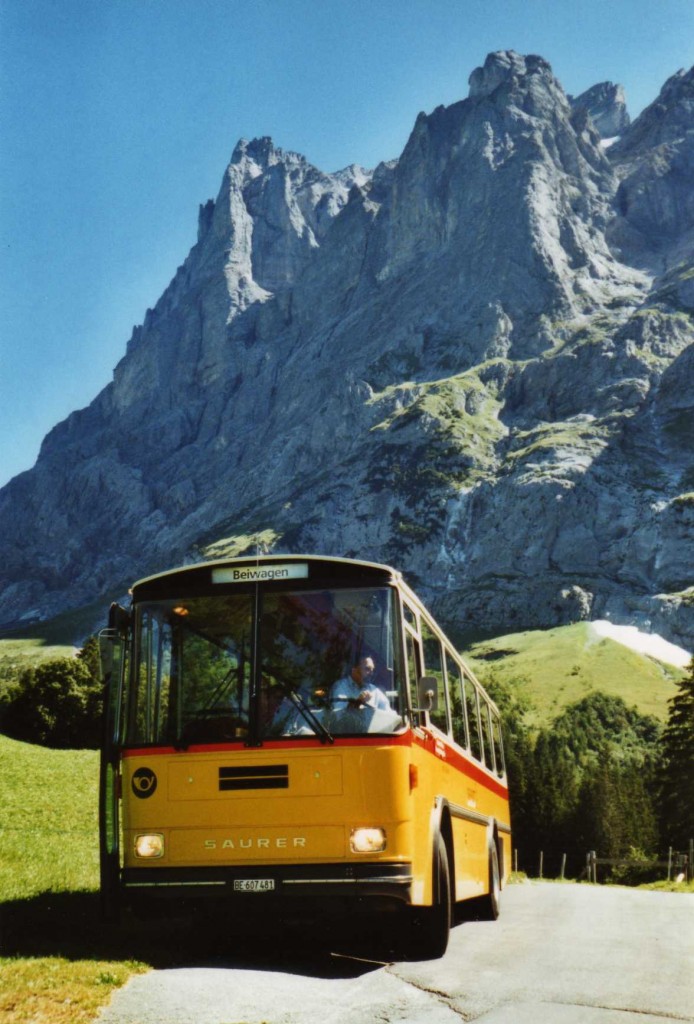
{"points": [[472, 362]]}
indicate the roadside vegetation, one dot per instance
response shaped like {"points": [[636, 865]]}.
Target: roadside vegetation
{"points": [[600, 777]]}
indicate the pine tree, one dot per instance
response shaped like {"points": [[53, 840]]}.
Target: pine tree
{"points": [[677, 771]]}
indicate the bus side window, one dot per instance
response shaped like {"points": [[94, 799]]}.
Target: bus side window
{"points": [[473, 720], [433, 666], [498, 746], [486, 734], [455, 694], [409, 615]]}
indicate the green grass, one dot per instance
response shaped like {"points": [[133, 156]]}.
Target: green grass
{"points": [[671, 886], [56, 967], [556, 667], [240, 544], [48, 829]]}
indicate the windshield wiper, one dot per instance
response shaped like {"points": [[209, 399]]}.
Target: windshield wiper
{"points": [[308, 715]]}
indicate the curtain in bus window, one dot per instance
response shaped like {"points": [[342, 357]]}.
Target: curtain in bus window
{"points": [[455, 696], [472, 719], [433, 666], [414, 665], [309, 641], [194, 670]]}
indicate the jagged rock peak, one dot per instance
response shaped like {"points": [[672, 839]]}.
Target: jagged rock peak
{"points": [[505, 66], [606, 105], [654, 160], [668, 119], [261, 151]]}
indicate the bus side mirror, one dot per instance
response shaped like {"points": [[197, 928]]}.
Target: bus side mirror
{"points": [[428, 693], [119, 618], [112, 642]]}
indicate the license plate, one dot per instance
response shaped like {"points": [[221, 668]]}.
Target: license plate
{"points": [[254, 884]]}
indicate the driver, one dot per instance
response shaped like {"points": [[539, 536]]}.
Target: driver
{"points": [[358, 689]]}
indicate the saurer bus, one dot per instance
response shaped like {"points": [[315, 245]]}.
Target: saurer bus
{"points": [[292, 730]]}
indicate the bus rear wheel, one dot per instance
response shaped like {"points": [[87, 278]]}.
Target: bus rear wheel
{"points": [[430, 927]]}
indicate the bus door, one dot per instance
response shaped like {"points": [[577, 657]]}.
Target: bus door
{"points": [[113, 647]]}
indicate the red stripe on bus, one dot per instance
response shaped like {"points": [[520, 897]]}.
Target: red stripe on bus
{"points": [[427, 742], [403, 740], [461, 763]]}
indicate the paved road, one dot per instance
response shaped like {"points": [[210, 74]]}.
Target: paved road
{"points": [[561, 954]]}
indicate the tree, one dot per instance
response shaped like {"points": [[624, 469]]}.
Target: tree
{"points": [[585, 782], [677, 767], [57, 703], [615, 813], [90, 655]]}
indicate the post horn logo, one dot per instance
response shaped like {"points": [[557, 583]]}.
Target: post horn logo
{"points": [[144, 782]]}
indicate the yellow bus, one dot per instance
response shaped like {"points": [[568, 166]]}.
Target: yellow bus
{"points": [[292, 731]]}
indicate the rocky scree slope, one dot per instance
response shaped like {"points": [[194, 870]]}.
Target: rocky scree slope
{"points": [[474, 362]]}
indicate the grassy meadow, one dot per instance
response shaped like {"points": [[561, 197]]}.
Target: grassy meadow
{"points": [[556, 667]]}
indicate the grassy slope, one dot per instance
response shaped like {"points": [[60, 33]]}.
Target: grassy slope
{"points": [[556, 667], [51, 971]]}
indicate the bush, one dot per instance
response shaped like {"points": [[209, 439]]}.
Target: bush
{"points": [[637, 869], [57, 703]]}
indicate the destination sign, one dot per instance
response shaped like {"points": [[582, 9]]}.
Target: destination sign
{"points": [[261, 573]]}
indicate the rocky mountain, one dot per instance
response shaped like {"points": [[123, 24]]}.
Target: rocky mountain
{"points": [[473, 362]]}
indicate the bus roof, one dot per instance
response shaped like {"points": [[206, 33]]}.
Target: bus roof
{"points": [[375, 570]]}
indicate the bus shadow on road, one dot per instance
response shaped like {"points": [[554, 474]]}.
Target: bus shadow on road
{"points": [[70, 925]]}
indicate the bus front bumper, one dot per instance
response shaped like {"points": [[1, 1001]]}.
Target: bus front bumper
{"points": [[350, 881]]}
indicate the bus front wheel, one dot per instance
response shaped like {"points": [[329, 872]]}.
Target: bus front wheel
{"points": [[430, 926]]}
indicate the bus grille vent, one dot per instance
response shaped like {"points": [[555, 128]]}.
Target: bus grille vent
{"points": [[262, 776]]}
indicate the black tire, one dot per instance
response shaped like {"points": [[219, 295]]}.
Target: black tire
{"points": [[430, 927], [491, 904]]}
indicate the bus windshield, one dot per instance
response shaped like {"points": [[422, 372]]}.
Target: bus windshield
{"points": [[276, 664]]}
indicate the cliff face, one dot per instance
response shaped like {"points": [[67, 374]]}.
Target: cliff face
{"points": [[474, 362]]}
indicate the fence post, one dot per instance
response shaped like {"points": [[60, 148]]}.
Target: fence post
{"points": [[593, 867], [515, 861], [669, 863], [541, 857], [563, 865], [690, 865]]}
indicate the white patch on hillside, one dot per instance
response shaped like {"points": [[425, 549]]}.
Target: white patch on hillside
{"points": [[645, 643]]}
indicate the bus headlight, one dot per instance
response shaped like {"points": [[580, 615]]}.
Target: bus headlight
{"points": [[149, 846], [368, 840]]}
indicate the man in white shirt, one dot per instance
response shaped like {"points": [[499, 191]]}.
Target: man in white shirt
{"points": [[358, 689]]}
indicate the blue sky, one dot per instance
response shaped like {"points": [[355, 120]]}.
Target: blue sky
{"points": [[118, 117]]}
